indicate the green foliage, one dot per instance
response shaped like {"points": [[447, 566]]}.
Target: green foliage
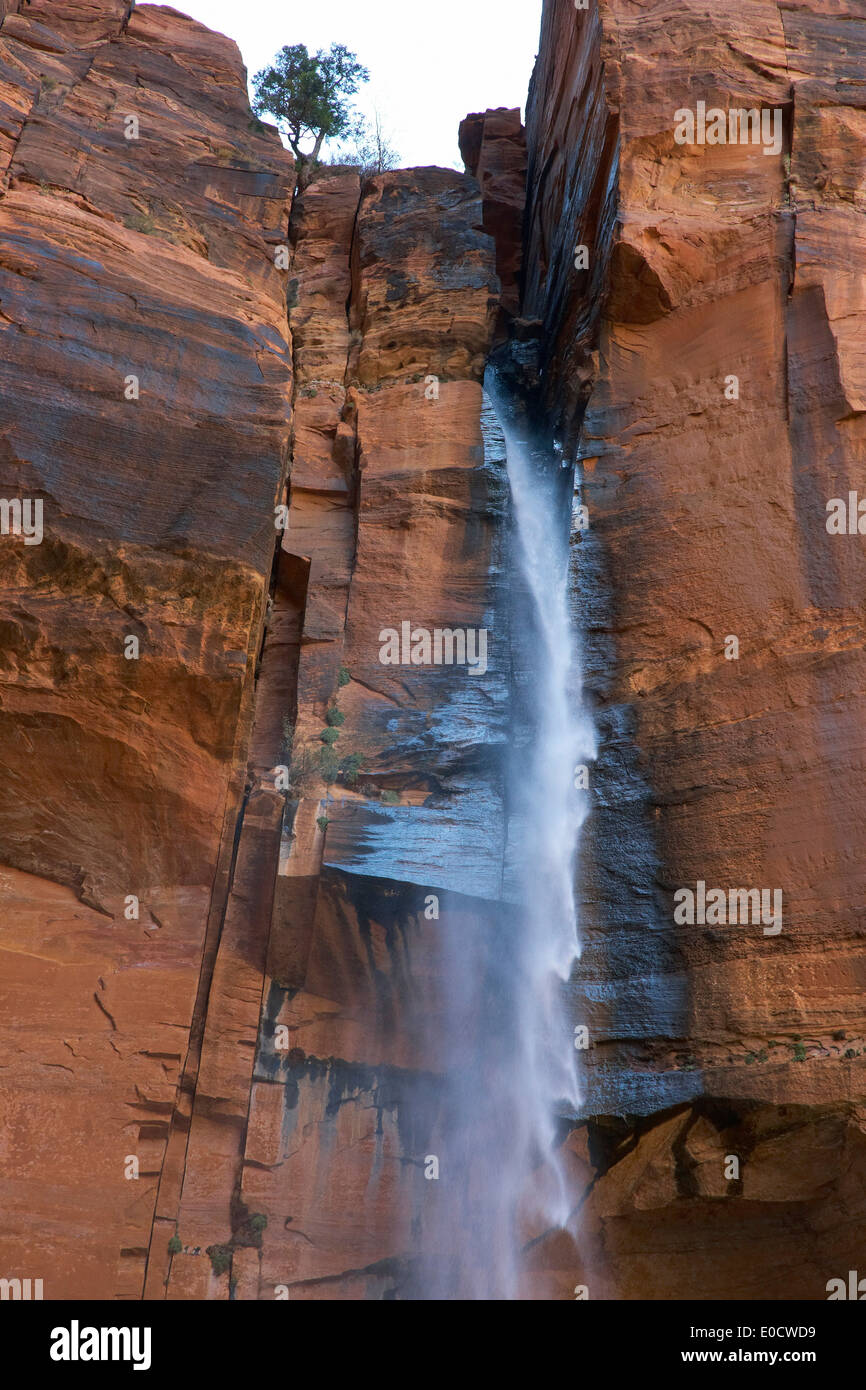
{"points": [[799, 1052], [329, 765], [390, 798], [308, 93], [329, 736], [302, 768], [343, 677], [323, 823], [175, 1245], [220, 1257], [248, 1228], [335, 718], [350, 767]]}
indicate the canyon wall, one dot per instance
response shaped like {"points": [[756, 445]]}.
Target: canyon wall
{"points": [[145, 382], [251, 872], [704, 361], [217, 1077], [317, 1099], [493, 146]]}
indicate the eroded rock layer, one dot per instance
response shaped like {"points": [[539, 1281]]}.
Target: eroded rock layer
{"points": [[493, 146], [305, 1158], [251, 871], [230, 907], [145, 384], [706, 362]]}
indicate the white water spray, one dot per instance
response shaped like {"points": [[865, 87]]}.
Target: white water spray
{"points": [[511, 1069], [552, 806]]}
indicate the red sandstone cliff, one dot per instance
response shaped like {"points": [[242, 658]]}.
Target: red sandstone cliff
{"points": [[493, 146], [148, 258], [312, 1048], [707, 520], [190, 778], [265, 1039]]}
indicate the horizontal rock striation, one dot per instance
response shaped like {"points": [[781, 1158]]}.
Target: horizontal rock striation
{"points": [[145, 382], [230, 908], [705, 363], [256, 861], [493, 146], [394, 514]]}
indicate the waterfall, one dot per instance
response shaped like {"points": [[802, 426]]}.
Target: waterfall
{"points": [[549, 805], [510, 1062]]}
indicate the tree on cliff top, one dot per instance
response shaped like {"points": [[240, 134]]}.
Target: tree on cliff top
{"points": [[373, 152], [308, 94]]}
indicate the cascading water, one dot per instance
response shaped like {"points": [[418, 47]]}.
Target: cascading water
{"points": [[550, 805], [510, 1065]]}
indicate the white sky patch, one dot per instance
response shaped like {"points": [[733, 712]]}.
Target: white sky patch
{"points": [[430, 64]]}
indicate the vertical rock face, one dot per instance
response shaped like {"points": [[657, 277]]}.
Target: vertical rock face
{"points": [[707, 365], [493, 146], [207, 996], [253, 840], [145, 381], [394, 515]]}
